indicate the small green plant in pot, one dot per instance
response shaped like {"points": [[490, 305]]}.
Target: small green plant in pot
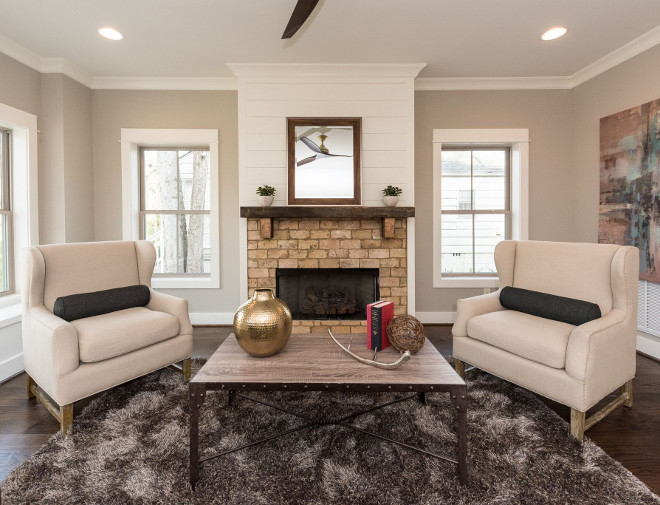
{"points": [[391, 195], [266, 194]]}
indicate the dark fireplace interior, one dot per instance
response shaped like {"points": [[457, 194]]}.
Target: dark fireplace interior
{"points": [[328, 293]]}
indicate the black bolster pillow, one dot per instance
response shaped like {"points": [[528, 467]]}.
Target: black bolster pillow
{"points": [[558, 308], [96, 303]]}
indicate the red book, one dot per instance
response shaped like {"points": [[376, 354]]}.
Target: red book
{"points": [[379, 316]]}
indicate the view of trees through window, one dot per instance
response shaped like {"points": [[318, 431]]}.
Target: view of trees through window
{"points": [[5, 214], [175, 208], [475, 208]]}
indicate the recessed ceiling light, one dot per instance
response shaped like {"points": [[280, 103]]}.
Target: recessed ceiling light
{"points": [[554, 33], [110, 33]]}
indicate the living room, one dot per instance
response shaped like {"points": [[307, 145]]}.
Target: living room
{"points": [[216, 83]]}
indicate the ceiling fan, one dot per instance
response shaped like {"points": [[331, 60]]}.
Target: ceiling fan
{"points": [[321, 151], [301, 12]]}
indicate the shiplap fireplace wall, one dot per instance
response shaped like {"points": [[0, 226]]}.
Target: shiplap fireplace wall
{"points": [[382, 95]]}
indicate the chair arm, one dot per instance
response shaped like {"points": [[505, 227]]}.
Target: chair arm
{"points": [[178, 307], [50, 343], [603, 349], [467, 308]]}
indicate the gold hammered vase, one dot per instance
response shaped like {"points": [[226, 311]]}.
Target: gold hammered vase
{"points": [[262, 325]]}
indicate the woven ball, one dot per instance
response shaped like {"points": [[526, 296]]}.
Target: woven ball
{"points": [[406, 333]]}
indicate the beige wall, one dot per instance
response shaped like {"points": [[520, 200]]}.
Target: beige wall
{"points": [[627, 85], [78, 182], [66, 193], [114, 110], [547, 115], [20, 86]]}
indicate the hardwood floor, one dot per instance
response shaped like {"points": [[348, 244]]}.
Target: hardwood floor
{"points": [[630, 436]]}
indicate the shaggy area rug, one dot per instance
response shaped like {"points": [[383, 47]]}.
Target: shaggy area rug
{"points": [[130, 445]]}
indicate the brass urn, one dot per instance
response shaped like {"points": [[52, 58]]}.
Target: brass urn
{"points": [[262, 325]]}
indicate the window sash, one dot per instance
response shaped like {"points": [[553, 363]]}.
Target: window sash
{"points": [[7, 286], [506, 211]]}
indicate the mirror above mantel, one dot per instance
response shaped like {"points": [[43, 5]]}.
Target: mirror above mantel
{"points": [[323, 161]]}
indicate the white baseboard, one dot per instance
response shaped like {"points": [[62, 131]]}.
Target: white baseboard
{"points": [[203, 318], [436, 317], [648, 345], [11, 366]]}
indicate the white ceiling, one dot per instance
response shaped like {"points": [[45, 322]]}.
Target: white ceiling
{"points": [[457, 38]]}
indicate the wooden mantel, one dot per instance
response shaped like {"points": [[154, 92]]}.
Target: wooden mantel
{"points": [[387, 214]]}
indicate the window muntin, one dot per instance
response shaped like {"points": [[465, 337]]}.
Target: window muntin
{"points": [[175, 208], [475, 208], [6, 236]]}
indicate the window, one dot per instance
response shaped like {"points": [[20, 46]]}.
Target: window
{"points": [[475, 208], [175, 208], [6, 246], [170, 197], [480, 197]]}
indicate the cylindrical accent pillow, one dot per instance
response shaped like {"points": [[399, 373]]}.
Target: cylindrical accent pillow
{"points": [[557, 308], [83, 305]]}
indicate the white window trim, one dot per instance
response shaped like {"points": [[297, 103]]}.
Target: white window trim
{"points": [[518, 140], [134, 138], [25, 191]]}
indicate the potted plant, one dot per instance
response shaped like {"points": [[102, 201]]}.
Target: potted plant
{"points": [[266, 194], [391, 195]]}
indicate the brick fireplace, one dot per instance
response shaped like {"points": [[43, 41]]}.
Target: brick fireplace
{"points": [[315, 238]]}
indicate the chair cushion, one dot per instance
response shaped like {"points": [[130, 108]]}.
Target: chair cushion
{"points": [[109, 335], [530, 337], [83, 305], [558, 308]]}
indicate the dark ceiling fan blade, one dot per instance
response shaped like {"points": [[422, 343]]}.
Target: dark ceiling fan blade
{"points": [[301, 12], [310, 143]]}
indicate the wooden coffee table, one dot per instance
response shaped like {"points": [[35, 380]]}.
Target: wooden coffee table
{"points": [[313, 362]]}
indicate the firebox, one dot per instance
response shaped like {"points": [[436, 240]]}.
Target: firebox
{"points": [[328, 293]]}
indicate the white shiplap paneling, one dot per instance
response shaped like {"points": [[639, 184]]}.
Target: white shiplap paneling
{"points": [[385, 105]]}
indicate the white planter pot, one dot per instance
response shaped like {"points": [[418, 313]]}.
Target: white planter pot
{"points": [[391, 201], [266, 201]]}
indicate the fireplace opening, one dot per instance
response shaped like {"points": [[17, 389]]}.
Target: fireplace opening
{"points": [[328, 293]]}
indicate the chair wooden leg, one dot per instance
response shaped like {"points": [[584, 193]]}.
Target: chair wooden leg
{"points": [[30, 382], [186, 367], [66, 418], [459, 366], [577, 424], [628, 392]]}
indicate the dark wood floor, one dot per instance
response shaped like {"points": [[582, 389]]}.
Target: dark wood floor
{"points": [[631, 436]]}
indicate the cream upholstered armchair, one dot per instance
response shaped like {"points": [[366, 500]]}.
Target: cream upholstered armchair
{"points": [[573, 365], [69, 361]]}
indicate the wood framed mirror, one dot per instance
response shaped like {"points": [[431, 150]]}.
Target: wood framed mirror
{"points": [[324, 161]]}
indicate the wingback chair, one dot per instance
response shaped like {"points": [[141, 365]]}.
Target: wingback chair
{"points": [[573, 365], [69, 361]]}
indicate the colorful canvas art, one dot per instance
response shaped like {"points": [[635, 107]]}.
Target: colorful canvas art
{"points": [[629, 179]]}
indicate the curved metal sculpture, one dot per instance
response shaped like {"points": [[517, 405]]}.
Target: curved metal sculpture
{"points": [[405, 356]]}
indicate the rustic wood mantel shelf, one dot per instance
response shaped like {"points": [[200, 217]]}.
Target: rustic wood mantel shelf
{"points": [[387, 214]]}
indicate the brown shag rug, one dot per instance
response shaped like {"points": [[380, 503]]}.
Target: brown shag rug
{"points": [[130, 445]]}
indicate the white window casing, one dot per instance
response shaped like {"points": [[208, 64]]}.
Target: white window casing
{"points": [[24, 188], [134, 138], [518, 141]]}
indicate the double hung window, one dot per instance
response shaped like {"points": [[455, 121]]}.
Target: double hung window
{"points": [[6, 237]]}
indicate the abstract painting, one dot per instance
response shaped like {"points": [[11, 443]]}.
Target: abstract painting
{"points": [[629, 178]]}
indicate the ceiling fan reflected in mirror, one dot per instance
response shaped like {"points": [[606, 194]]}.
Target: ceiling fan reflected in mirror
{"points": [[321, 151], [301, 12]]}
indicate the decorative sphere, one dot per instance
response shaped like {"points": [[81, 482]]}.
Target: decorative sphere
{"points": [[406, 333]]}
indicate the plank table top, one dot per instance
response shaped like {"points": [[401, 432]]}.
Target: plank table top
{"points": [[315, 362]]}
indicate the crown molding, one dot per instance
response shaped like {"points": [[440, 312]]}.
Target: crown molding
{"points": [[166, 83], [491, 83], [62, 66], [242, 70], [630, 50], [356, 70], [20, 53]]}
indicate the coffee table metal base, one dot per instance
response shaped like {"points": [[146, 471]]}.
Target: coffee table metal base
{"points": [[197, 392]]}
